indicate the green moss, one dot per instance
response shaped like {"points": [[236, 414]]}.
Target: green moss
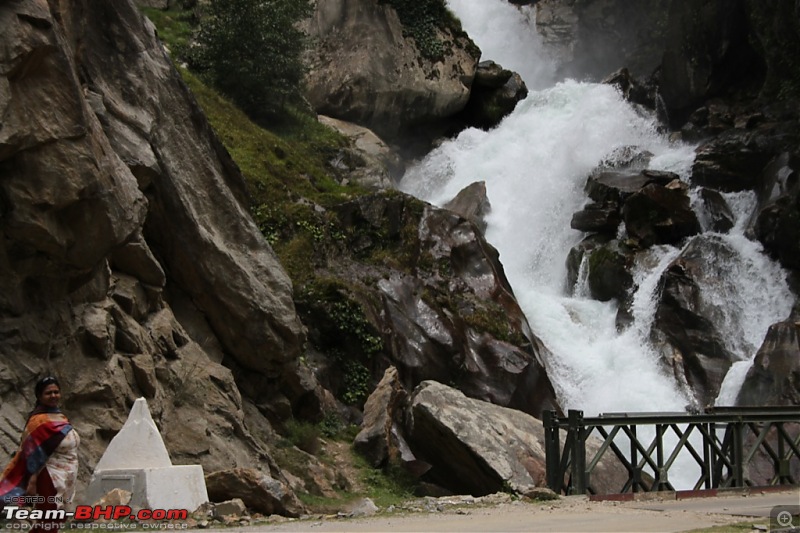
{"points": [[304, 436], [600, 257], [391, 486], [175, 28], [331, 300], [422, 20]]}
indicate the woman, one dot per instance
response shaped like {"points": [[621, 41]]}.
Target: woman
{"points": [[46, 464]]}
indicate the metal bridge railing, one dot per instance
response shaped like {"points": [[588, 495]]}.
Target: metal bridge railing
{"points": [[729, 447]]}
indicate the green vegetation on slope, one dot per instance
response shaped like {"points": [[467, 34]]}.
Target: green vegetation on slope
{"points": [[251, 51], [423, 19]]}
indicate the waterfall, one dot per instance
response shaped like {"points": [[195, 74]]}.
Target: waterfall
{"points": [[535, 164]]}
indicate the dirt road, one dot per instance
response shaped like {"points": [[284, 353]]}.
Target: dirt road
{"points": [[571, 514]]}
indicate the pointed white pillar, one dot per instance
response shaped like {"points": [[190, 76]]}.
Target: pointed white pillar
{"points": [[137, 460]]}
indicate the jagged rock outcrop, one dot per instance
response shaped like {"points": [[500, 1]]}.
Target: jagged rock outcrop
{"points": [[369, 162], [380, 439], [707, 53], [495, 93], [777, 225], [257, 490], [774, 378], [472, 203], [478, 448], [116, 196], [685, 320], [366, 68], [654, 207], [420, 289]]}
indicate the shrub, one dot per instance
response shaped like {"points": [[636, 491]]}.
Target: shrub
{"points": [[250, 50]]}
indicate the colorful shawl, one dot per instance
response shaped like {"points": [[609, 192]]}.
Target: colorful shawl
{"points": [[45, 430]]}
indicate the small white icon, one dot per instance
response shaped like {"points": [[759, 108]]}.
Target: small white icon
{"points": [[784, 518]]}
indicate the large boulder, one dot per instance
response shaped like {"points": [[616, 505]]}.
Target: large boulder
{"points": [[257, 490], [774, 378], [685, 321], [116, 197], [198, 220], [495, 93], [660, 215], [479, 448], [420, 289], [386, 79], [370, 162]]}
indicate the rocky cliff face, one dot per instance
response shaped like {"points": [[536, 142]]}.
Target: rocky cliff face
{"points": [[592, 38], [367, 68], [129, 263]]}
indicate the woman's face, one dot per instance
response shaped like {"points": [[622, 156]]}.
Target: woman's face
{"points": [[51, 396]]}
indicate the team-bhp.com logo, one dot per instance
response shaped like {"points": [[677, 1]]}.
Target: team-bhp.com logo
{"points": [[85, 513]]}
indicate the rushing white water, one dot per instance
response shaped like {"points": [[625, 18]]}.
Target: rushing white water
{"points": [[506, 34], [535, 165], [749, 295]]}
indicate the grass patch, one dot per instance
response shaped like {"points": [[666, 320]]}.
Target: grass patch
{"points": [[392, 486], [175, 28]]}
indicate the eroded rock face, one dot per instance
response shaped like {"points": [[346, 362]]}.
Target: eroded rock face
{"points": [[774, 378], [435, 304], [212, 249], [112, 188], [596, 38], [685, 319], [494, 95], [257, 490], [363, 69], [707, 52], [479, 448]]}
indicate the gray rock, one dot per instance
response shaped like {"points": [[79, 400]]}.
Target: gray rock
{"points": [[379, 79], [257, 490], [371, 162], [685, 322], [772, 380], [230, 508], [363, 507], [472, 203], [478, 448], [659, 215], [374, 441]]}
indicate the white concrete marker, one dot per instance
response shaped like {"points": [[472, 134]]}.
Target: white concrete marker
{"points": [[137, 460]]}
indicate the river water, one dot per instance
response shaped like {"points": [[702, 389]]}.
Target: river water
{"points": [[535, 165]]}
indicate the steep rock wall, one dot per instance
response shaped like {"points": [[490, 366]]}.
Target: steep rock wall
{"points": [[115, 197], [365, 69]]}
